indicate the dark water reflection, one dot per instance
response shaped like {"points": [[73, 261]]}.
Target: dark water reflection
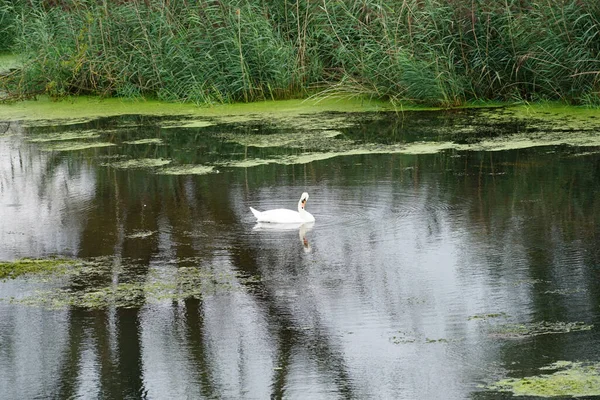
{"points": [[379, 299]]}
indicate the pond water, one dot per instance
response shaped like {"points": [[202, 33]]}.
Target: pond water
{"points": [[451, 250]]}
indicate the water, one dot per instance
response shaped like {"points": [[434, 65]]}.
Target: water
{"points": [[402, 289]]}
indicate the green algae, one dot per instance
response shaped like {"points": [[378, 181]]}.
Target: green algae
{"points": [[64, 136], [45, 111], [75, 146], [572, 379], [196, 123], [137, 163], [485, 317], [550, 116], [102, 282], [519, 331], [29, 266], [290, 140], [403, 338], [186, 282], [144, 141], [189, 169]]}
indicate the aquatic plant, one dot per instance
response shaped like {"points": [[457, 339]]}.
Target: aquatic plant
{"points": [[75, 146], [31, 266], [570, 379], [519, 331], [82, 282], [187, 282], [138, 163], [439, 52]]}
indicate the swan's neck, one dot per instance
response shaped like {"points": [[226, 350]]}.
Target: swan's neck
{"points": [[300, 208]]}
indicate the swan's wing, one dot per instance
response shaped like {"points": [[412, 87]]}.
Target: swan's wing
{"points": [[281, 227], [279, 215]]}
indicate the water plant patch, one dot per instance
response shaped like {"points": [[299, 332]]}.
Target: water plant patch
{"points": [[519, 331], [138, 163], [569, 379], [31, 266]]}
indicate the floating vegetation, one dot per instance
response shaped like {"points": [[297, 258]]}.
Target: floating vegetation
{"points": [[300, 139], [145, 141], [571, 379], [403, 337], [138, 163], [75, 282], [29, 266], [188, 169], [187, 282], [187, 124], [519, 331], [140, 234], [484, 317], [76, 146], [64, 136]]}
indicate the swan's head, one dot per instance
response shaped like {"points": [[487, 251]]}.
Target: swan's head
{"points": [[303, 200]]}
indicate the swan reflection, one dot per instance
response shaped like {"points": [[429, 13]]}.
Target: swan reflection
{"points": [[302, 227]]}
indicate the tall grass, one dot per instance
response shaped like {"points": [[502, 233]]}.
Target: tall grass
{"points": [[439, 52], [7, 25]]}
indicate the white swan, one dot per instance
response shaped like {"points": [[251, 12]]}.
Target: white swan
{"points": [[284, 216]]}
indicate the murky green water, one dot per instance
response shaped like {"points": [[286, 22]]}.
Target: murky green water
{"points": [[434, 270]]}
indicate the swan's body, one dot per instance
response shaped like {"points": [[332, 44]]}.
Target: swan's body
{"points": [[285, 216]]}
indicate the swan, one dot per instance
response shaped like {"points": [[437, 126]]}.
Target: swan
{"points": [[284, 216]]}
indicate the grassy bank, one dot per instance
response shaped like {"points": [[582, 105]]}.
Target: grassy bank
{"points": [[434, 52]]}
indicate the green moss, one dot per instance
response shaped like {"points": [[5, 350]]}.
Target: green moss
{"points": [[572, 380], [518, 331], [138, 163], [28, 266]]}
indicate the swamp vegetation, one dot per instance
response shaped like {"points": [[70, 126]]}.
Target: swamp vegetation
{"points": [[434, 52]]}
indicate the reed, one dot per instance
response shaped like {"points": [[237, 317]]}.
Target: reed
{"points": [[436, 52]]}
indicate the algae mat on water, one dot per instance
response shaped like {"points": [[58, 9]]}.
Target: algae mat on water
{"points": [[30, 266], [80, 109], [570, 379], [73, 282]]}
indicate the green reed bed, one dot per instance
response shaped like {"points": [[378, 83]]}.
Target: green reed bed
{"points": [[435, 52]]}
